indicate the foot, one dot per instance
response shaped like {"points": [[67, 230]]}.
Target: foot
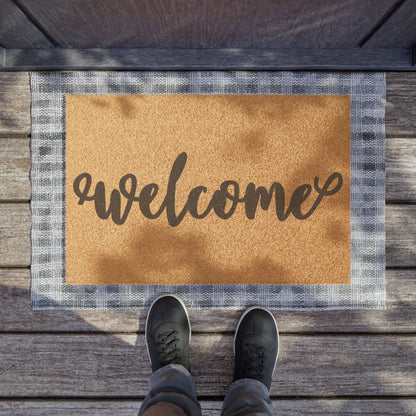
{"points": [[168, 332], [256, 345]]}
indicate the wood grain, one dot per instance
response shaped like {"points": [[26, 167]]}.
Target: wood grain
{"points": [[398, 31], [17, 31], [304, 407], [15, 166], [400, 235], [401, 104], [15, 235], [14, 104], [46, 365], [399, 316], [207, 23], [401, 170], [14, 169]]}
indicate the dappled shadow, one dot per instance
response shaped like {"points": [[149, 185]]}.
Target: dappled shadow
{"points": [[124, 105], [155, 254], [156, 251], [17, 314]]}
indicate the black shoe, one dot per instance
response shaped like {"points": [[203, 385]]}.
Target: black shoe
{"points": [[168, 332], [256, 345]]}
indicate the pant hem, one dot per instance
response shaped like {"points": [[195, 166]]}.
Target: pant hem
{"points": [[178, 367], [240, 381]]}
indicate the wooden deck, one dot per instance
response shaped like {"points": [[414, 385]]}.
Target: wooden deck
{"points": [[95, 363]]}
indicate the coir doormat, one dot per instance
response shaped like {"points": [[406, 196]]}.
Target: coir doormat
{"points": [[230, 189]]}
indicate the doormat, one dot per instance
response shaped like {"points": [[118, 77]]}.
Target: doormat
{"points": [[230, 189]]}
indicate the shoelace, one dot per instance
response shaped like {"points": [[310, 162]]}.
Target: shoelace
{"points": [[254, 361], [167, 348]]}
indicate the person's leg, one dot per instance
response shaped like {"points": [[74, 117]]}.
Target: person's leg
{"points": [[171, 387], [247, 397], [165, 409], [256, 345], [171, 390]]}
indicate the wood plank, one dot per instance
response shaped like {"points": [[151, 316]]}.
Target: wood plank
{"points": [[15, 166], [207, 23], [399, 316], [400, 170], [400, 235], [15, 235], [401, 104], [304, 407], [14, 169], [209, 59], [398, 31], [46, 365], [14, 104], [17, 30]]}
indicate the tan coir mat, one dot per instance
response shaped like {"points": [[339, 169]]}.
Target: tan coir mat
{"points": [[207, 189]]}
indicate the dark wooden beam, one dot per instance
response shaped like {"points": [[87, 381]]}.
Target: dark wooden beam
{"points": [[208, 59], [2, 58], [207, 24], [414, 56]]}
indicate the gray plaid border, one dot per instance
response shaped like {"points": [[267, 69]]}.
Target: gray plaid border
{"points": [[367, 92]]}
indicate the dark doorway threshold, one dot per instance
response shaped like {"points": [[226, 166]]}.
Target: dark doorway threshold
{"points": [[358, 59]]}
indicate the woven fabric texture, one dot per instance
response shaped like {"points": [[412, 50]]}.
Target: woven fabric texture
{"points": [[367, 94]]}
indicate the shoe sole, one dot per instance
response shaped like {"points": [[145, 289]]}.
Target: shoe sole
{"points": [[148, 314], [275, 324]]}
